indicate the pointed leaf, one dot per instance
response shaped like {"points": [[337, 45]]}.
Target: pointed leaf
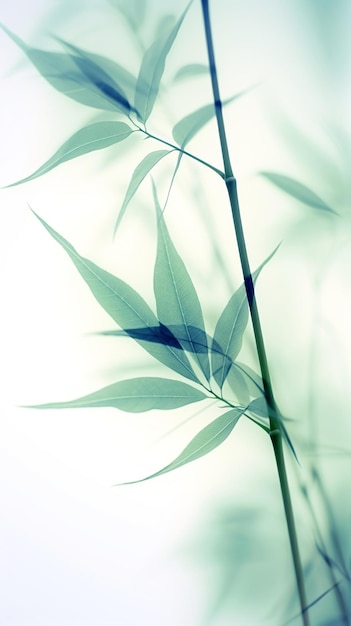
{"points": [[298, 191], [174, 335], [259, 407], [152, 68], [93, 137], [253, 381], [176, 298], [133, 10], [63, 73], [135, 395], [204, 442], [230, 329], [140, 172], [190, 125], [98, 77], [124, 305], [191, 70], [237, 383]]}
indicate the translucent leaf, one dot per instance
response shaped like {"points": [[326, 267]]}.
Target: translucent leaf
{"points": [[99, 78], [152, 68], [124, 305], [204, 442], [191, 70], [253, 381], [133, 10], [176, 298], [230, 330], [62, 72], [174, 335], [259, 407], [165, 24], [187, 127], [298, 191], [135, 395], [93, 137], [140, 172], [237, 382]]}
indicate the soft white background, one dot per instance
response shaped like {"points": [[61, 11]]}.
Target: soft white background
{"points": [[76, 550]]}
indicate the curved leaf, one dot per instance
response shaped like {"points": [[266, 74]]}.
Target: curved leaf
{"points": [[170, 335], [133, 10], [176, 298], [135, 395], [124, 305], [93, 137], [140, 172], [237, 383], [63, 73], [152, 68], [230, 329], [187, 127], [298, 191], [204, 442], [191, 70], [98, 77], [258, 406]]}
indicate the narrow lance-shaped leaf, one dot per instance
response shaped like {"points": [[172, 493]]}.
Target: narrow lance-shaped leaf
{"points": [[191, 124], [230, 330], [191, 70], [176, 298], [124, 305], [93, 137], [135, 395], [204, 442], [98, 77], [141, 171], [63, 73], [174, 335], [133, 10], [152, 68], [298, 190]]}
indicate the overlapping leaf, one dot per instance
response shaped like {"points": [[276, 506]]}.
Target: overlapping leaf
{"points": [[204, 442], [174, 335], [124, 305], [298, 190], [152, 68], [64, 73], [99, 78], [176, 299], [230, 330], [93, 137], [191, 124], [140, 172], [135, 395]]}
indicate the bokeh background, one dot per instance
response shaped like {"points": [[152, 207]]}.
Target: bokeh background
{"points": [[206, 545]]}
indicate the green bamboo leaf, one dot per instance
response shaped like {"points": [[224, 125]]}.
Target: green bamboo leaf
{"points": [[126, 307], [176, 298], [62, 72], [204, 442], [93, 137], [97, 76], [253, 380], [237, 382], [135, 395], [152, 68], [133, 10], [191, 70], [298, 191], [190, 125], [141, 171], [258, 406], [230, 329]]}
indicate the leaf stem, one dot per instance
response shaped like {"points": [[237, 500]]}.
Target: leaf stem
{"points": [[275, 425], [181, 150]]}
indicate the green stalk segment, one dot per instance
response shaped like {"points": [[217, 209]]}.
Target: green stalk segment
{"points": [[275, 426]]}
